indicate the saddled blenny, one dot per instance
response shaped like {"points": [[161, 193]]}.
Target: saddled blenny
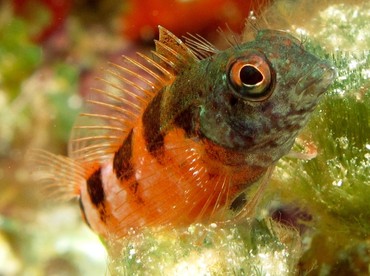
{"points": [[178, 136]]}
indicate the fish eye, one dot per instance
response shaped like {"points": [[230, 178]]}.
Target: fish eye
{"points": [[251, 77]]}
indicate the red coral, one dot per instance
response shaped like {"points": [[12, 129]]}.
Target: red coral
{"points": [[194, 16]]}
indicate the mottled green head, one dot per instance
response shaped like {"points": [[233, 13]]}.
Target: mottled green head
{"points": [[257, 96]]}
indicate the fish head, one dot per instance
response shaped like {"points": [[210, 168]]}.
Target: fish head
{"points": [[262, 95]]}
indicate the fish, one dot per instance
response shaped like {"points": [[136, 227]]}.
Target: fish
{"points": [[177, 137]]}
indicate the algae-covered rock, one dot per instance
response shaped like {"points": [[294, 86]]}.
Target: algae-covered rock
{"points": [[207, 250]]}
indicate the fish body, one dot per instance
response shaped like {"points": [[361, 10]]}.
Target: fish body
{"points": [[177, 142]]}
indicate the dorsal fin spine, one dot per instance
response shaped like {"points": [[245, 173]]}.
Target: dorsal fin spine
{"points": [[161, 46], [100, 127], [177, 45], [101, 116], [144, 68], [134, 74], [110, 137], [131, 83], [165, 72], [123, 111], [200, 46], [117, 98], [123, 90], [167, 61]]}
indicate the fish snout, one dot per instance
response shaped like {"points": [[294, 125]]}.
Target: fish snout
{"points": [[316, 82]]}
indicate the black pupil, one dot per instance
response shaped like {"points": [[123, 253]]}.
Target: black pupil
{"points": [[249, 75]]}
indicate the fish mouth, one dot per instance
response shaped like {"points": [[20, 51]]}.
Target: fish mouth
{"points": [[316, 81], [328, 74]]}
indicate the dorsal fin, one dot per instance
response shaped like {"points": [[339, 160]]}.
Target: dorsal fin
{"points": [[176, 53], [200, 46], [115, 108]]}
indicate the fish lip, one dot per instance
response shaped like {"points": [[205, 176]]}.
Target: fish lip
{"points": [[329, 74]]}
